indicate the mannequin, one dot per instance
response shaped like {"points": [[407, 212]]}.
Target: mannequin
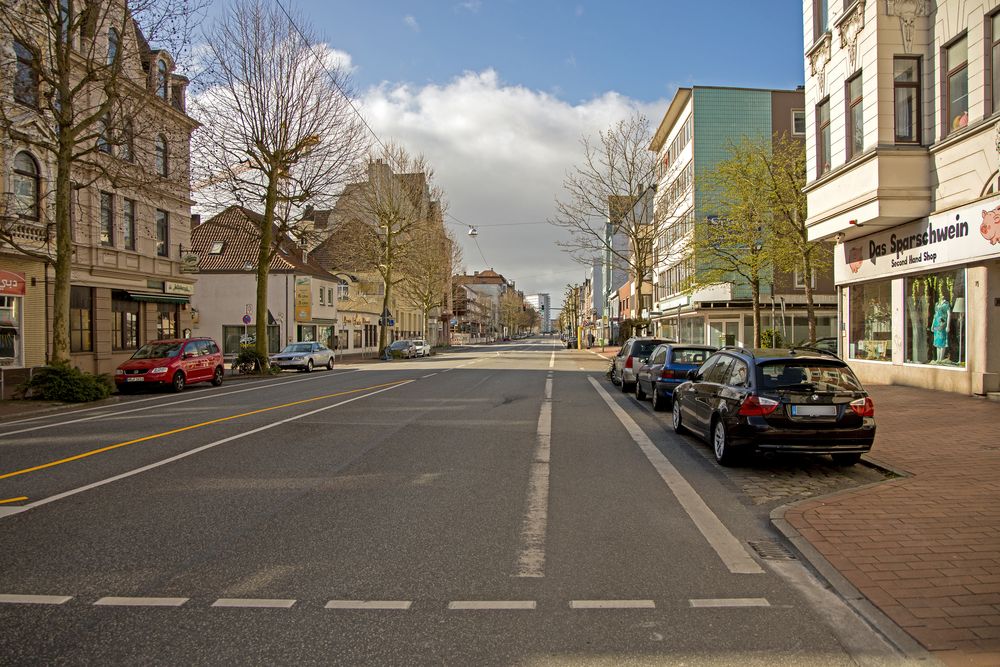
{"points": [[940, 326]]}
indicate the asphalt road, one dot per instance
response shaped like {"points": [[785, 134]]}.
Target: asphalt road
{"points": [[502, 505]]}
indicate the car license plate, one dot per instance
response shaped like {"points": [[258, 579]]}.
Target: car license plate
{"points": [[135, 379], [814, 410]]}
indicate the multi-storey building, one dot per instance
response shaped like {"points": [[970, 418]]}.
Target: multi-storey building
{"points": [[902, 102], [130, 200], [693, 137], [542, 303]]}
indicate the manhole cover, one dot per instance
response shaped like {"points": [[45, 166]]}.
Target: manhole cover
{"points": [[771, 550]]}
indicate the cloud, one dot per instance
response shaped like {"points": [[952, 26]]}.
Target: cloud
{"points": [[500, 152], [410, 21], [472, 6]]}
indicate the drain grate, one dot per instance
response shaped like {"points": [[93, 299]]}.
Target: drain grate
{"points": [[771, 550]]}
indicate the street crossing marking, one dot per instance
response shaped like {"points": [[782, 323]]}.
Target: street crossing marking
{"points": [[491, 604], [253, 603], [140, 602], [612, 604], [729, 602], [531, 560], [34, 599], [735, 557], [369, 604]]}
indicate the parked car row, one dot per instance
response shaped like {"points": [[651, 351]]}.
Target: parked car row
{"points": [[802, 400], [408, 349]]}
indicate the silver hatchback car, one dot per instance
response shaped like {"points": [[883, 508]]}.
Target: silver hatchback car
{"points": [[632, 354]]}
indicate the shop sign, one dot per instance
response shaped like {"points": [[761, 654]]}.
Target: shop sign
{"points": [[303, 298], [189, 262], [182, 289], [11, 283], [959, 236]]}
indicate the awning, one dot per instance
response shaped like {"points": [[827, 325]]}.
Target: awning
{"points": [[159, 297], [322, 320]]}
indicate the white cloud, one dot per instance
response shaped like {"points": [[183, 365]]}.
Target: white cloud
{"points": [[410, 21], [500, 152], [470, 6]]}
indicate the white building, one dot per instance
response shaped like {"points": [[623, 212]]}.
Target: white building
{"points": [[542, 303], [902, 102]]}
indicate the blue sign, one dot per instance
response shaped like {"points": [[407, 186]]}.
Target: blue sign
{"points": [[247, 319], [454, 321]]}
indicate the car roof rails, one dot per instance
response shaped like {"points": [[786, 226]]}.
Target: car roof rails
{"points": [[817, 350], [737, 348]]}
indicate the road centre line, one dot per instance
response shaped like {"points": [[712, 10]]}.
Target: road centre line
{"points": [[220, 420], [401, 605], [34, 599], [13, 500], [151, 407], [612, 604], [552, 359], [140, 602], [717, 603], [531, 560], [254, 603], [491, 604], [72, 492], [729, 549]]}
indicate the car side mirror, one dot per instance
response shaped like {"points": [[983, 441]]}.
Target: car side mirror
{"points": [[692, 375]]}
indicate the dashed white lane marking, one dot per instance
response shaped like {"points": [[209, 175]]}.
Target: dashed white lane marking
{"points": [[34, 599], [552, 359], [141, 602], [531, 560], [429, 375], [491, 604], [730, 602], [253, 603], [612, 604], [369, 604], [733, 554]]}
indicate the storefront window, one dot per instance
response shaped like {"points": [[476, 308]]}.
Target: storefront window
{"points": [[871, 321], [10, 331], [166, 320], [81, 319], [693, 330], [357, 339], [307, 333], [124, 322], [935, 319], [327, 335]]}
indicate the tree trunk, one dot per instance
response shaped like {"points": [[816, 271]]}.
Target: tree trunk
{"points": [[264, 264], [810, 305], [755, 297], [64, 253], [383, 330]]}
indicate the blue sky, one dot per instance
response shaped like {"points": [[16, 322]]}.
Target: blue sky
{"points": [[497, 94]]}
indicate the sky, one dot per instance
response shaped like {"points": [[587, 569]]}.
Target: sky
{"points": [[497, 94]]}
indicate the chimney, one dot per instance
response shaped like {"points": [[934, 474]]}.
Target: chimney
{"points": [[195, 220]]}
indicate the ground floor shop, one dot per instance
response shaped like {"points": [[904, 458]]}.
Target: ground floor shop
{"points": [[733, 325], [920, 302]]}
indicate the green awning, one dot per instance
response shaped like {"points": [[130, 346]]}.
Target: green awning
{"points": [[159, 298]]}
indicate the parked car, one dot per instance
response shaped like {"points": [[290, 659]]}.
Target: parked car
{"points": [[780, 400], [303, 356], [402, 349], [667, 369], [826, 344], [423, 347], [632, 354], [173, 363]]}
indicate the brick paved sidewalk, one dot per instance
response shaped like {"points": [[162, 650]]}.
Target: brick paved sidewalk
{"points": [[925, 549]]}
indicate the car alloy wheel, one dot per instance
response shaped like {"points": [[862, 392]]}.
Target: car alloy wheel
{"points": [[179, 382], [329, 363], [217, 377], [660, 402], [675, 417], [720, 444], [309, 366]]}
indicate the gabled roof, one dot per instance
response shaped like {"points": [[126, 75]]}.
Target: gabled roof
{"points": [[237, 229]]}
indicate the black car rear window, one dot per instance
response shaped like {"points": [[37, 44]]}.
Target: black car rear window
{"points": [[643, 348], [806, 375], [690, 356]]}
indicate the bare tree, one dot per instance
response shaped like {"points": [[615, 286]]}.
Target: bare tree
{"points": [[78, 84], [380, 222], [430, 266], [279, 131]]}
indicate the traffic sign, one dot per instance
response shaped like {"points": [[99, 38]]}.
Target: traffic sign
{"points": [[247, 319]]}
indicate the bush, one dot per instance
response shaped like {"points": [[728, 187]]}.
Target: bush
{"points": [[251, 362], [67, 384], [767, 336]]}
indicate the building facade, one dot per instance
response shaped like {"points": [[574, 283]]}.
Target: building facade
{"points": [[542, 303], [693, 138], [903, 104]]}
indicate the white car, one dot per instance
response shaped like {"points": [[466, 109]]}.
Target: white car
{"points": [[423, 347]]}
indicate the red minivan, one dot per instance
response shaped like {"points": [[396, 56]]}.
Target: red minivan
{"points": [[174, 363]]}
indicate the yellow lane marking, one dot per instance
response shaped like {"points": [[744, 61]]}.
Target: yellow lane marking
{"points": [[92, 452], [13, 500]]}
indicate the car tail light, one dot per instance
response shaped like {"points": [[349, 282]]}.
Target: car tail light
{"points": [[668, 373], [628, 361], [863, 407], [757, 406]]}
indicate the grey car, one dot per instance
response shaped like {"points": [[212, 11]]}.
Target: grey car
{"points": [[632, 354], [303, 356]]}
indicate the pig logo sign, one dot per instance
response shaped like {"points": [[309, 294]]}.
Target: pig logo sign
{"points": [[854, 259], [990, 228]]}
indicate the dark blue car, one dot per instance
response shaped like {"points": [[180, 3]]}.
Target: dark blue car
{"points": [[666, 369]]}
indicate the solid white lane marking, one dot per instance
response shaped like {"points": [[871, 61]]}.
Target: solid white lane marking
{"points": [[141, 602], [196, 450], [552, 359], [531, 560], [253, 603], [256, 387], [369, 604], [491, 604], [430, 375], [735, 557], [612, 604], [730, 602], [34, 599]]}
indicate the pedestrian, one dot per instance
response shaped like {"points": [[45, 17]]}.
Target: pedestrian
{"points": [[590, 340]]}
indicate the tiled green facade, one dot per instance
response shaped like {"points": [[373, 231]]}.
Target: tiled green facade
{"points": [[723, 116]]}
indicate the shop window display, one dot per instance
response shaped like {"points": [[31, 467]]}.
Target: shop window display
{"points": [[871, 321], [935, 319]]}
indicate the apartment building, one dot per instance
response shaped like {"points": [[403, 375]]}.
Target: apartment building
{"points": [[692, 138], [902, 101], [129, 201], [542, 303]]}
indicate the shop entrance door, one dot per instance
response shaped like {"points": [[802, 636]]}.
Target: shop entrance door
{"points": [[723, 332]]}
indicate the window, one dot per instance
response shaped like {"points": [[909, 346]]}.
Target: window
{"points": [[800, 282], [871, 321], [114, 42], [103, 138], [343, 291], [798, 121], [823, 137], [107, 231], [126, 149], [81, 334], [994, 22], [329, 295], [124, 322], [160, 156], [820, 18], [162, 233], [26, 185], [935, 319], [957, 83], [162, 86], [906, 86], [216, 248], [322, 296], [65, 20], [719, 373], [25, 76], [739, 375], [10, 331], [855, 118], [167, 315], [128, 224]]}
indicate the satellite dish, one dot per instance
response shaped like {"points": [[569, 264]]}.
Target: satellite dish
{"points": [[473, 231]]}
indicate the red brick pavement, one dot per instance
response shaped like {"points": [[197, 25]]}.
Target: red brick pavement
{"points": [[925, 549]]}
